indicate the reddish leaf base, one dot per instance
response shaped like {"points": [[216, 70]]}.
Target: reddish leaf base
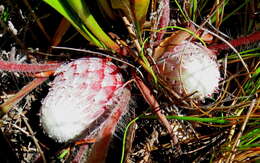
{"points": [[99, 151]]}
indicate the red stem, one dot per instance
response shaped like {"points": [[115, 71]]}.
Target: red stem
{"points": [[21, 67], [238, 42], [150, 99]]}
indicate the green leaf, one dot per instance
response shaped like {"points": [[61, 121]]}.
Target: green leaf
{"points": [[60, 7], [83, 12], [79, 15], [235, 10], [193, 9], [140, 10], [250, 137], [134, 10], [253, 85]]}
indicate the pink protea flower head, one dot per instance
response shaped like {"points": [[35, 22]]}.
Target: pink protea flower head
{"points": [[191, 68], [80, 98]]}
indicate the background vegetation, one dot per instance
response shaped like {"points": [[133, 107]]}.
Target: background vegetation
{"points": [[224, 128]]}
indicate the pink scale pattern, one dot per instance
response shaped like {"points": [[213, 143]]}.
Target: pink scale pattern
{"points": [[80, 94]]}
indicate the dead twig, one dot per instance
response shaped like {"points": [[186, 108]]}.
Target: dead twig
{"points": [[5, 107], [236, 143], [34, 138]]}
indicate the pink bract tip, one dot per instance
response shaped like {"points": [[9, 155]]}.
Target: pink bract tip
{"points": [[190, 68]]}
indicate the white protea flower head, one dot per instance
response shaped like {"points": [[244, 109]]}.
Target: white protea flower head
{"points": [[80, 98], [191, 68]]}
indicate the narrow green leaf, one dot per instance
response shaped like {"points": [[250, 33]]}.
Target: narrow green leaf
{"points": [[63, 154], [140, 9], [78, 14], [125, 135], [194, 9], [181, 10], [135, 10], [250, 137], [253, 84], [60, 7], [140, 12], [235, 10], [247, 53], [88, 19]]}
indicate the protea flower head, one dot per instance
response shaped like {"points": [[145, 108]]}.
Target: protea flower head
{"points": [[80, 98], [190, 69]]}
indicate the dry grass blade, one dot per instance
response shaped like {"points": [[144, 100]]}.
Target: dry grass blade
{"points": [[61, 30], [230, 45], [132, 34], [236, 143], [5, 107], [35, 140]]}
